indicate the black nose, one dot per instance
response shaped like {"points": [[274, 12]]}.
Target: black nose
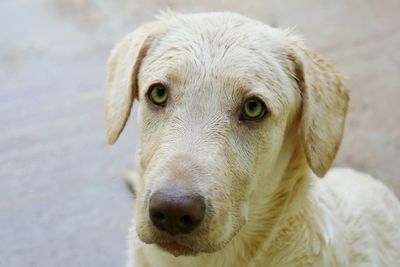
{"points": [[176, 212]]}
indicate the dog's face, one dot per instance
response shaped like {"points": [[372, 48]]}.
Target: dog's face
{"points": [[220, 102], [216, 129]]}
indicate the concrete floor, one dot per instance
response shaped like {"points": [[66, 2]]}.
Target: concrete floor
{"points": [[63, 201]]}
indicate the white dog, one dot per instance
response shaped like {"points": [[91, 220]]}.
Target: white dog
{"points": [[237, 119]]}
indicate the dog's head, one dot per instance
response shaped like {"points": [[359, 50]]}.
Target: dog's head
{"points": [[222, 100]]}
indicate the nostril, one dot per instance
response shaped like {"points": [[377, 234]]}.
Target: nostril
{"points": [[185, 221], [158, 216]]}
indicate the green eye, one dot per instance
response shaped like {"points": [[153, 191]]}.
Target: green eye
{"points": [[253, 109], [158, 94]]}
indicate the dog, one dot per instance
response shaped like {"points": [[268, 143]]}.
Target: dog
{"points": [[238, 121]]}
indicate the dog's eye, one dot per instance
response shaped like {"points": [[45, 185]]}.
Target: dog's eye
{"points": [[158, 94], [253, 109]]}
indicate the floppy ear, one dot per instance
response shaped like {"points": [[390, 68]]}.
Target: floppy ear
{"points": [[122, 78], [324, 108]]}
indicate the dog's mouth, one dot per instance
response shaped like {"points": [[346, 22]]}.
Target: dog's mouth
{"points": [[187, 245], [177, 249]]}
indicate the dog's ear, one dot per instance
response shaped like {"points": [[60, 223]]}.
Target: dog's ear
{"points": [[324, 107], [122, 78]]}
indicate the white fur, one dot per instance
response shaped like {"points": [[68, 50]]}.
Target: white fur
{"points": [[269, 208]]}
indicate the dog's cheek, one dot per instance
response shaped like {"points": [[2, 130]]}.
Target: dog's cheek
{"points": [[222, 226], [152, 128], [148, 148], [141, 223], [230, 210], [236, 184]]}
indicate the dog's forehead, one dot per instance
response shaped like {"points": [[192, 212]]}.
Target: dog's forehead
{"points": [[226, 45], [203, 55]]}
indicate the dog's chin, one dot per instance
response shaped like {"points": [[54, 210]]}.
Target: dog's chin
{"points": [[184, 245], [177, 249], [179, 246]]}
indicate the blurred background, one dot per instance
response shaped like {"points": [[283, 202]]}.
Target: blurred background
{"points": [[63, 201]]}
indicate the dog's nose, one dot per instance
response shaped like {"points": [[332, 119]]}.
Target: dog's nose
{"points": [[176, 212]]}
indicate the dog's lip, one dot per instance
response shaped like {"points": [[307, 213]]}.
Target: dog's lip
{"points": [[176, 248]]}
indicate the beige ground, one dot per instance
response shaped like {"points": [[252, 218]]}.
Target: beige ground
{"points": [[62, 197]]}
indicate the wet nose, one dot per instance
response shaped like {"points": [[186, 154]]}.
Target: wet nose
{"points": [[176, 212]]}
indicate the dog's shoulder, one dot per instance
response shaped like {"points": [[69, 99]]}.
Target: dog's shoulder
{"points": [[358, 186], [368, 210], [361, 194]]}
